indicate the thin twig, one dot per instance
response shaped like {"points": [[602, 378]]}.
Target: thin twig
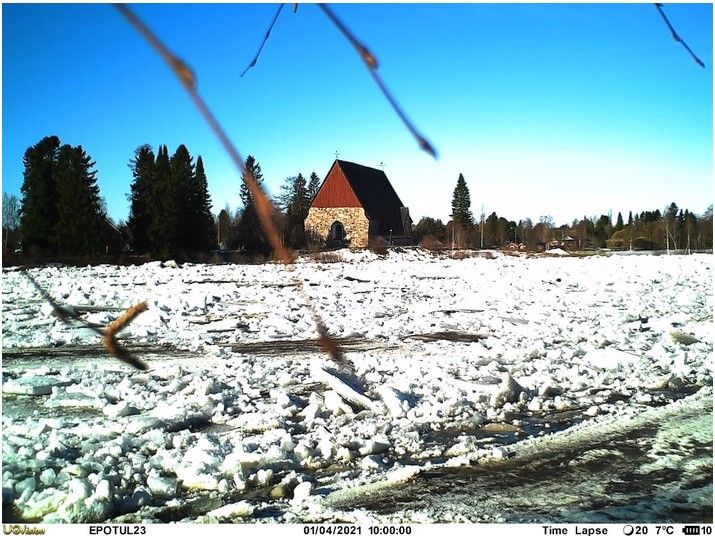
{"points": [[679, 39], [371, 63], [265, 38], [264, 208]]}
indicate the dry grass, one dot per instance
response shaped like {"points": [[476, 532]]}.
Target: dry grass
{"points": [[326, 257], [430, 243], [462, 254]]}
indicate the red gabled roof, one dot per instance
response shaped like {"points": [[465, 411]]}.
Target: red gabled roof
{"points": [[336, 191]]}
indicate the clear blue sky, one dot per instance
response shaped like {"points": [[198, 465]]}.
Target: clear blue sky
{"points": [[563, 110]]}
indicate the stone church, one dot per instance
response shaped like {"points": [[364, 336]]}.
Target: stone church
{"points": [[355, 204]]}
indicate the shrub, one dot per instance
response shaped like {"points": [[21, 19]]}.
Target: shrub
{"points": [[378, 246], [430, 243]]}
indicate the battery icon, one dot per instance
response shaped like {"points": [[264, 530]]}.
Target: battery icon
{"points": [[691, 530]]}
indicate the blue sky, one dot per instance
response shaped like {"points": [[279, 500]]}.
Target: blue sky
{"points": [[563, 109]]}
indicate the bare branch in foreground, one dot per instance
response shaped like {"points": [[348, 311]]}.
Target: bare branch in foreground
{"points": [[67, 314], [265, 38], [371, 63], [264, 208], [675, 35]]}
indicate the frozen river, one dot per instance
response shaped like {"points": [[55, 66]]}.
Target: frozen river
{"points": [[493, 388]]}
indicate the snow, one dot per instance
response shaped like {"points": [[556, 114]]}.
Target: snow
{"points": [[447, 362]]}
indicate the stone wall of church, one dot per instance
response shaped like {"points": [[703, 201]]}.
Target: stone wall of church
{"points": [[354, 221]]}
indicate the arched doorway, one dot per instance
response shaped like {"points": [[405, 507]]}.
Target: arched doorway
{"points": [[337, 231]]}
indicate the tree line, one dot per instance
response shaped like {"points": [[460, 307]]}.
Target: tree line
{"points": [[170, 210], [170, 207], [61, 212], [240, 229], [673, 228]]}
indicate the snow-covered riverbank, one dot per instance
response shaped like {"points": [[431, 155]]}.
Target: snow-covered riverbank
{"points": [[452, 362]]}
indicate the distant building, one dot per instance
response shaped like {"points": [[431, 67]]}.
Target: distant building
{"points": [[111, 236], [568, 243], [355, 204]]}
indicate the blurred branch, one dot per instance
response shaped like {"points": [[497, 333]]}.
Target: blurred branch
{"points": [[264, 207], [67, 313], [677, 37]]}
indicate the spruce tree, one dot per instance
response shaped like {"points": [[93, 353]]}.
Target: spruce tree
{"points": [[461, 203], [313, 186], [79, 207], [204, 235], [296, 211], [39, 189], [158, 206], [181, 202], [250, 230], [619, 223], [143, 168]]}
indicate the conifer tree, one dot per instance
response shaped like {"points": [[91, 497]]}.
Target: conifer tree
{"points": [[39, 189], [143, 168], [313, 186], [202, 226], [158, 234], [296, 202], [250, 230], [79, 208], [180, 201], [462, 220], [619, 223]]}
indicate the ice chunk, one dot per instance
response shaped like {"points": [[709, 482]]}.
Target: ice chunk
{"points": [[34, 385], [301, 492], [264, 476], [47, 477], [394, 400], [239, 509], [372, 463], [162, 486], [25, 488], [329, 377], [120, 409], [501, 453], [609, 358], [509, 391]]}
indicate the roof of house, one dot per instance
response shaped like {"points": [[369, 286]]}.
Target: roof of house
{"points": [[375, 193]]}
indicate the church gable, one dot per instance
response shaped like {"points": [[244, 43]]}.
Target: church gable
{"points": [[336, 191]]}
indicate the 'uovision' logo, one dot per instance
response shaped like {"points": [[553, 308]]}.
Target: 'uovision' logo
{"points": [[21, 529]]}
